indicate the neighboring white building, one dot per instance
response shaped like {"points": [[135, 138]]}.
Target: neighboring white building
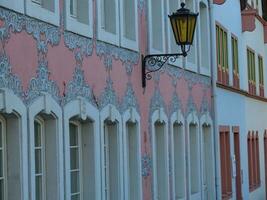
{"points": [[239, 52]]}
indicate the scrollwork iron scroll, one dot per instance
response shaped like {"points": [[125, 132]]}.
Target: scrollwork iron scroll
{"points": [[155, 62]]}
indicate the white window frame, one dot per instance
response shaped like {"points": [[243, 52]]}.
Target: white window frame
{"points": [[131, 115], [80, 169], [179, 61], [4, 156], [16, 5], [102, 34], [177, 118], [37, 11], [40, 121], [192, 118], [125, 42], [73, 25], [160, 116], [46, 104], [83, 109], [111, 113], [151, 49], [205, 70], [11, 103]]}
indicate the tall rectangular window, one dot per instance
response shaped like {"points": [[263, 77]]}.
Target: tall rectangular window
{"points": [[132, 161], [156, 25], [39, 150], [178, 155], [75, 166], [261, 76], [129, 24], [194, 158], [222, 55], [3, 194], [235, 62], [111, 161], [253, 160], [251, 72], [225, 155]]}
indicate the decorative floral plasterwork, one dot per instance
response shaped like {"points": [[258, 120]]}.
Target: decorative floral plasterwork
{"points": [[42, 32], [175, 104], [109, 52], [178, 73], [191, 106], [108, 96], [204, 108], [157, 102], [42, 84], [7, 79], [146, 165], [78, 87], [129, 99], [80, 45]]}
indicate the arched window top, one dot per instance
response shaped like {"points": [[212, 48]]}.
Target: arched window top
{"points": [[110, 113], [159, 116], [131, 115], [192, 119], [177, 117], [81, 109]]}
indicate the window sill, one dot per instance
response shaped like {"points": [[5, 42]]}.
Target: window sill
{"points": [[16, 5], [77, 27]]}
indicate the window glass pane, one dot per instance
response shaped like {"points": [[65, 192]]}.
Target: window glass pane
{"points": [[129, 19], [38, 187], [37, 134], [75, 179], [73, 135], [1, 189], [38, 161], [49, 4], [109, 8], [83, 11], [156, 21], [74, 158], [1, 164]]}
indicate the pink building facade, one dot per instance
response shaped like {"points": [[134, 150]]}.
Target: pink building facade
{"points": [[75, 121]]}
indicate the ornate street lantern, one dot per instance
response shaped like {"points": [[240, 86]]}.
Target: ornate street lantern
{"points": [[183, 23]]}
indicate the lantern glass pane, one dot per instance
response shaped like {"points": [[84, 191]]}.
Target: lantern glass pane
{"points": [[181, 23], [191, 29], [174, 29]]}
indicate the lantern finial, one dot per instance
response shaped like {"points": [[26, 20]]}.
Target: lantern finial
{"points": [[182, 4]]}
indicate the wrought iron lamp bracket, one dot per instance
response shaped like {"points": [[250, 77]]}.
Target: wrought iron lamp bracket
{"points": [[155, 62]]}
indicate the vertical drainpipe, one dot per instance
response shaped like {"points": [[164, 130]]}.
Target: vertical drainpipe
{"points": [[214, 97]]}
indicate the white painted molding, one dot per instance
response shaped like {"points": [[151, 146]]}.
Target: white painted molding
{"points": [[47, 105], [10, 103], [83, 110], [17, 5]]}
